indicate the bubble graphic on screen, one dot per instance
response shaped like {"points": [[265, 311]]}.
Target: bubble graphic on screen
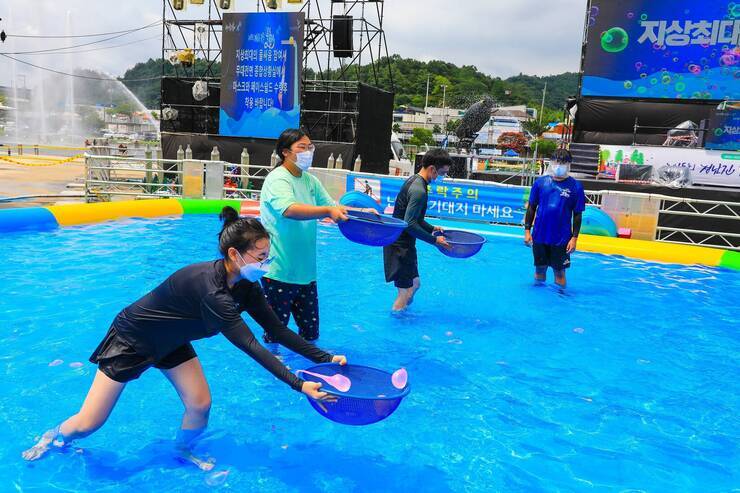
{"points": [[718, 132], [614, 40], [728, 59], [694, 68], [696, 95], [592, 21], [643, 75], [628, 84], [638, 65], [666, 79], [643, 17], [734, 10], [675, 58], [641, 90], [594, 11], [653, 81], [680, 86], [656, 46], [630, 15]]}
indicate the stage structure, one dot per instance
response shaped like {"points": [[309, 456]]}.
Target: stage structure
{"points": [[246, 69], [653, 73]]}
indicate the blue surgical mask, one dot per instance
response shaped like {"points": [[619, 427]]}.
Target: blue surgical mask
{"points": [[252, 272], [560, 170], [304, 159], [440, 177]]}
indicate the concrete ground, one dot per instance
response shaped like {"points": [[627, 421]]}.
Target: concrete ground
{"points": [[39, 175]]}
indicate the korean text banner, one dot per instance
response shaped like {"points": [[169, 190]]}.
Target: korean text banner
{"points": [[675, 49], [448, 199], [260, 74], [724, 129]]}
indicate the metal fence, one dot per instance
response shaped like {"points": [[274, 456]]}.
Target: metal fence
{"points": [[108, 177], [726, 214]]}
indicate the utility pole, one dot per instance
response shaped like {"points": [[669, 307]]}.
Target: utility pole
{"points": [[542, 106], [426, 101], [444, 108], [542, 110]]}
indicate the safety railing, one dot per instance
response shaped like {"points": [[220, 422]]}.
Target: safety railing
{"points": [[108, 177], [669, 209]]}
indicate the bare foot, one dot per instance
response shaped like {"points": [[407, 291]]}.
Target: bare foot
{"points": [[186, 456], [42, 446]]}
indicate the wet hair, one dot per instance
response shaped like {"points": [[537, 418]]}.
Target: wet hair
{"points": [[562, 156], [289, 137], [439, 158], [241, 233]]}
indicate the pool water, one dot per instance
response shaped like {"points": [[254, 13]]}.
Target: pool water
{"points": [[629, 381]]}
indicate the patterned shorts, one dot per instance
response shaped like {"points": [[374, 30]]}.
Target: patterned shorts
{"points": [[300, 300]]}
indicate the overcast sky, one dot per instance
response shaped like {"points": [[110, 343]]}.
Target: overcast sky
{"points": [[502, 38]]}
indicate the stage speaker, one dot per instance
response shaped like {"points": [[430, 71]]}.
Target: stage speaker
{"points": [[342, 36]]}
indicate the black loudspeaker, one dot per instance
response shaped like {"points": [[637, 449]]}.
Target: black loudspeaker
{"points": [[373, 142], [342, 36], [363, 116], [330, 116]]}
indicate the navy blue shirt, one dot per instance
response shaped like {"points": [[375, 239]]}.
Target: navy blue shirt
{"points": [[556, 201]]}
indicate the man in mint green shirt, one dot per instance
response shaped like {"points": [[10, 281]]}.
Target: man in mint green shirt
{"points": [[290, 203]]}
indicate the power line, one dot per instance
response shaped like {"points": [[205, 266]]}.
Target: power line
{"points": [[109, 79], [98, 49], [33, 52], [69, 35]]}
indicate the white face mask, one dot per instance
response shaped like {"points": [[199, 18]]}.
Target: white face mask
{"points": [[560, 170], [254, 271], [304, 159]]}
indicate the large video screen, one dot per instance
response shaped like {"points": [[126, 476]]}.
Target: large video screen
{"points": [[260, 74], [675, 49]]}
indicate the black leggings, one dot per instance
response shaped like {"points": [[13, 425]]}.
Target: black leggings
{"points": [[301, 300]]}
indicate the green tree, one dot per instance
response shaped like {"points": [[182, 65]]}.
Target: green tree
{"points": [[436, 129], [421, 136], [545, 147], [452, 125], [534, 127], [397, 127], [465, 84], [91, 122], [124, 108]]}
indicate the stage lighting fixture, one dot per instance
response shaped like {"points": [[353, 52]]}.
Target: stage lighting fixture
{"points": [[200, 90], [179, 4], [169, 113]]}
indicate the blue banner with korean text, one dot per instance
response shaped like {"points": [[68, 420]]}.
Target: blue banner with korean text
{"points": [[662, 49], [451, 199], [260, 74]]}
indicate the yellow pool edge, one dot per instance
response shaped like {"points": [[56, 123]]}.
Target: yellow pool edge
{"points": [[76, 214]]}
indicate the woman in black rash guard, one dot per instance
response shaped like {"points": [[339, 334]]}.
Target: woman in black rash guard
{"points": [[195, 302]]}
